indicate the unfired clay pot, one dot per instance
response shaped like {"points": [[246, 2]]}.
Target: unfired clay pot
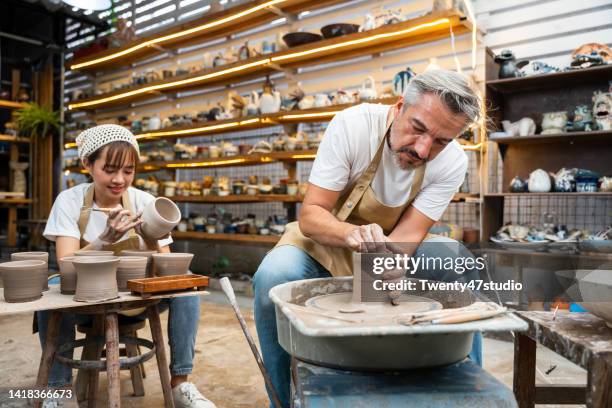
{"points": [[96, 278], [91, 252], [21, 280], [130, 267], [172, 263], [142, 252], [159, 218], [36, 256], [68, 277]]}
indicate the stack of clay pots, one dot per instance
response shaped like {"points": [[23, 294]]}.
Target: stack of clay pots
{"points": [[22, 280], [172, 263], [36, 256]]}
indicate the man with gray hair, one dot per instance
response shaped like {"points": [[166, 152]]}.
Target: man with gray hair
{"points": [[382, 174]]}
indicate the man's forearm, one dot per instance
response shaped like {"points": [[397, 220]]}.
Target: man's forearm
{"points": [[323, 227]]}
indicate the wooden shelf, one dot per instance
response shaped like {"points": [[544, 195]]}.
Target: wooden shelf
{"points": [[240, 160], [242, 238], [243, 198], [467, 197], [11, 104], [428, 28], [5, 202], [555, 80], [569, 137], [552, 194], [14, 139], [209, 27]]}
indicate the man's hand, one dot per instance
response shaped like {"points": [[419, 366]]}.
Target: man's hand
{"points": [[393, 276], [366, 238]]}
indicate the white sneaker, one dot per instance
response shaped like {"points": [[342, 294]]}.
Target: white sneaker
{"points": [[186, 395]]}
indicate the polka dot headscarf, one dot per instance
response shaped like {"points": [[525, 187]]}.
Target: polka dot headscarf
{"points": [[94, 138]]}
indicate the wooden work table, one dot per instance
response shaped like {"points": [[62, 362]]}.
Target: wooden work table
{"points": [[583, 339]]}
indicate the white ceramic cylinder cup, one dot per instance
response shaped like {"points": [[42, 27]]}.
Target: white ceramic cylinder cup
{"points": [[159, 218]]}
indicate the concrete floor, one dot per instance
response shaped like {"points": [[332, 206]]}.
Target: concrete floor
{"points": [[225, 370]]}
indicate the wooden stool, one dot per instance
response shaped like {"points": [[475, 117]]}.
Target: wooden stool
{"points": [[463, 384], [106, 321], [127, 328]]}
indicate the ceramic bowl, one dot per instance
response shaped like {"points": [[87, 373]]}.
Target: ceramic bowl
{"points": [[21, 280], [159, 218], [142, 252], [172, 263], [36, 256], [301, 38], [130, 267], [68, 276], [339, 29], [90, 252], [96, 278]]}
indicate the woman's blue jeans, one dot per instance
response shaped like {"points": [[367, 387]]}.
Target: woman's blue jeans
{"points": [[183, 320], [288, 263]]}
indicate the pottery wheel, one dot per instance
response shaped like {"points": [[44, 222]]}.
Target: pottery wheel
{"points": [[342, 304]]}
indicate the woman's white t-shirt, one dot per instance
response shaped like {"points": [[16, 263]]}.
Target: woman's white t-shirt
{"points": [[64, 216], [349, 146]]}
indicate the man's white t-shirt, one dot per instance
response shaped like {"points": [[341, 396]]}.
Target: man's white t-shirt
{"points": [[64, 216], [349, 146]]}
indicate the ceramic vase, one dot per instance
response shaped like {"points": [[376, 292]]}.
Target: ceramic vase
{"points": [[68, 277], [90, 252], [96, 278], [130, 267], [143, 252], [172, 263], [539, 182], [21, 280], [43, 271], [554, 122], [159, 218]]}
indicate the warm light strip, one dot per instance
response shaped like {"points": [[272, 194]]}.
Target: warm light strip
{"points": [[206, 164], [255, 63], [157, 41], [303, 156], [308, 115], [198, 130], [70, 145], [360, 40], [169, 84]]}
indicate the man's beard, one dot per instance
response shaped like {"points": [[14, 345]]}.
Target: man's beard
{"points": [[401, 162]]}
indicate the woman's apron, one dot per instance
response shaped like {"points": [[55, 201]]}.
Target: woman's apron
{"points": [[359, 207], [132, 242]]}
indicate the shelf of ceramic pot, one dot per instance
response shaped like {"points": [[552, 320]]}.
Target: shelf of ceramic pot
{"points": [[22, 280], [553, 80], [130, 267], [242, 198], [241, 238], [36, 256], [212, 25], [96, 278], [419, 30], [174, 263], [602, 136]]}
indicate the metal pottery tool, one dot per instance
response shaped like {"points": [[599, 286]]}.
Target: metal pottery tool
{"points": [[229, 293]]}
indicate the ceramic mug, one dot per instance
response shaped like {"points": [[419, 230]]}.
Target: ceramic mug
{"points": [[68, 277], [20, 283], [159, 218]]}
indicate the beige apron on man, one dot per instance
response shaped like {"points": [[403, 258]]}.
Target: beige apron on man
{"points": [[359, 207]]}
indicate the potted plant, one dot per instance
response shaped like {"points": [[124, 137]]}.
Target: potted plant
{"points": [[35, 120]]}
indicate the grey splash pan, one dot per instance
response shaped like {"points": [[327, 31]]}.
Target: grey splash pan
{"points": [[363, 346]]}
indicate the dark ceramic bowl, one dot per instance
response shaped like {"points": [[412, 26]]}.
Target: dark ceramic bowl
{"points": [[339, 29], [296, 39]]}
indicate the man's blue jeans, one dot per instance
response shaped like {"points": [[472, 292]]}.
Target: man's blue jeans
{"points": [[288, 263], [183, 320]]}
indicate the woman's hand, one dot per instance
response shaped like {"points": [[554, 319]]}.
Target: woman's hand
{"points": [[119, 222]]}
